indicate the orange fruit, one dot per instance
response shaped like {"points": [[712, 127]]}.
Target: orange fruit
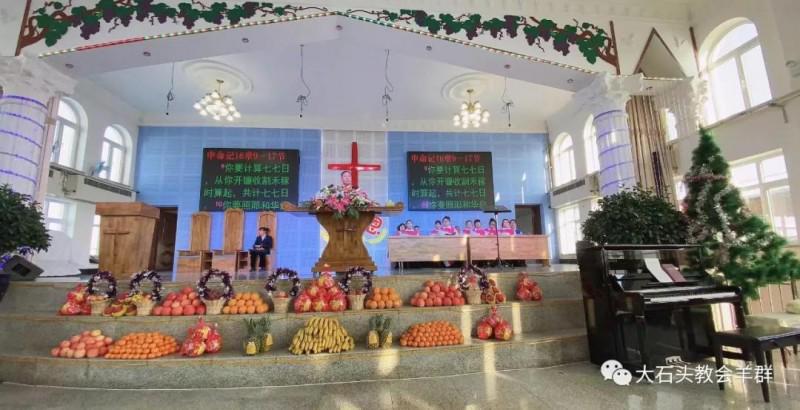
{"points": [[261, 309], [381, 305], [251, 309], [384, 291], [226, 310], [234, 310]]}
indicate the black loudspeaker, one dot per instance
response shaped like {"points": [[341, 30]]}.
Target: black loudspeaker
{"points": [[20, 269]]}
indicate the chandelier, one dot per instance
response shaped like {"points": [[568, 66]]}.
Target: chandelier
{"points": [[217, 105], [471, 113]]}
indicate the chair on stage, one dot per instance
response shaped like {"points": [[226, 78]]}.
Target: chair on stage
{"points": [[232, 258], [269, 220], [198, 258]]}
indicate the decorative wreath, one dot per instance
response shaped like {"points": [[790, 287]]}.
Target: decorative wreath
{"points": [[357, 271], [483, 282], [281, 273], [103, 276], [152, 276], [213, 294]]}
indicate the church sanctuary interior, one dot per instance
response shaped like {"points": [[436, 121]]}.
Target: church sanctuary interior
{"points": [[420, 204]]}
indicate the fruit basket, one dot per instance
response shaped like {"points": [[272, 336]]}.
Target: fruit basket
{"points": [[98, 306], [473, 296], [356, 301], [214, 306], [144, 306], [280, 302]]}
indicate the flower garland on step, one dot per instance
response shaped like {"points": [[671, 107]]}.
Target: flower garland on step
{"points": [[213, 294], [463, 277], [283, 273], [103, 276], [357, 271], [136, 283]]}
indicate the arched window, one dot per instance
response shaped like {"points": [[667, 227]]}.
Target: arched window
{"points": [[67, 134], [590, 146], [113, 154], [563, 160], [736, 71]]}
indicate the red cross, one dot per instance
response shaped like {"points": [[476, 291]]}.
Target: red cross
{"points": [[353, 166]]}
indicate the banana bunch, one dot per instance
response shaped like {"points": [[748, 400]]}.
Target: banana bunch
{"points": [[319, 335]]}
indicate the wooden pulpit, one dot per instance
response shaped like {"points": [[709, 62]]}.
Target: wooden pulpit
{"points": [[197, 258], [231, 258], [269, 219], [345, 248], [127, 237]]}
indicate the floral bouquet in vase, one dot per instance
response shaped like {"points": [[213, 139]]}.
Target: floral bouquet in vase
{"points": [[343, 201]]}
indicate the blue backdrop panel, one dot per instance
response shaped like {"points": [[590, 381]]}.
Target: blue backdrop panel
{"points": [[169, 164]]}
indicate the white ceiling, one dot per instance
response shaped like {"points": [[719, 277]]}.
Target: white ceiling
{"points": [[344, 68]]}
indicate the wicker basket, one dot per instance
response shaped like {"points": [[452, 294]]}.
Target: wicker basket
{"points": [[99, 306], [214, 307], [356, 302], [144, 307], [280, 305], [473, 296]]}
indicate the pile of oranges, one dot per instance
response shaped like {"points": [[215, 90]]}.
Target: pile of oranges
{"points": [[139, 346], [383, 298], [431, 334], [246, 303]]}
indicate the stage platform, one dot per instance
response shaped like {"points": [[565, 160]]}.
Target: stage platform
{"points": [[547, 333]]}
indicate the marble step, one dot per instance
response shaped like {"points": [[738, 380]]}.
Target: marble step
{"points": [[38, 332], [280, 368], [32, 297]]}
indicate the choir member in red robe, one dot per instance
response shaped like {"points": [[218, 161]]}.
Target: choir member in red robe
{"points": [[478, 229], [492, 230], [447, 228], [437, 228], [505, 228], [467, 230]]}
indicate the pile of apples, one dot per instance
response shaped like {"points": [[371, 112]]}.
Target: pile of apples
{"points": [[321, 295], [183, 303], [89, 344], [438, 294]]}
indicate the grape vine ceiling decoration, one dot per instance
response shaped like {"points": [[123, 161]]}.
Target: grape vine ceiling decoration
{"points": [[55, 18]]}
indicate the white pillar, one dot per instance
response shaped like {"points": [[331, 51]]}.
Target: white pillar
{"points": [[606, 97], [28, 87]]}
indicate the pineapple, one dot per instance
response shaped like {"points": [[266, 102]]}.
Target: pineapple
{"points": [[266, 337], [386, 333], [251, 342], [373, 337]]}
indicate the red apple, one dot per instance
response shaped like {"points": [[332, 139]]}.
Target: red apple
{"points": [[55, 351], [175, 305], [102, 351], [312, 291], [75, 339], [166, 311], [187, 290], [201, 309], [193, 295], [186, 302], [188, 310], [436, 288], [420, 303], [92, 353], [195, 302], [447, 302], [157, 310]]}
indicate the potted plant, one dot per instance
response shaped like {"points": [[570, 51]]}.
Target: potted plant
{"points": [[22, 228]]}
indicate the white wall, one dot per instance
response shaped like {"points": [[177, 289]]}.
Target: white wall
{"points": [[10, 21], [101, 110]]}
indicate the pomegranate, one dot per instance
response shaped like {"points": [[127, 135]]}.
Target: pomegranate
{"points": [[484, 330]]}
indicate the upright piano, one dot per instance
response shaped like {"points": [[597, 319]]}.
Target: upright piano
{"points": [[644, 305]]}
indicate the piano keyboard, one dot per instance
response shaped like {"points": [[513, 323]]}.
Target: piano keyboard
{"points": [[679, 298]]}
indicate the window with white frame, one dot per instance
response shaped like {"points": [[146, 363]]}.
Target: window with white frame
{"points": [[56, 215], [736, 72], [590, 146], [113, 154], [94, 243], [563, 160], [569, 229], [67, 134], [670, 124], [764, 187]]}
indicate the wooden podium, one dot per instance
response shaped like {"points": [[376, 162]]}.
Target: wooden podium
{"points": [[345, 248], [127, 237], [197, 259]]}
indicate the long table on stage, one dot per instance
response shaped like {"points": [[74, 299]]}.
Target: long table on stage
{"points": [[468, 248]]}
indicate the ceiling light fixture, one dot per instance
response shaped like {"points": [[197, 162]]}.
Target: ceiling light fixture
{"points": [[303, 99], [471, 114], [217, 105], [388, 89], [508, 103]]}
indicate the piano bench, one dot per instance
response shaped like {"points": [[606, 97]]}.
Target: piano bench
{"points": [[755, 342]]}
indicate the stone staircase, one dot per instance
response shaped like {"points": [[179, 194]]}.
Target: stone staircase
{"points": [[547, 333]]}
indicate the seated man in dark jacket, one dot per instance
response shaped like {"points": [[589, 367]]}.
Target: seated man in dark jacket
{"points": [[261, 248]]}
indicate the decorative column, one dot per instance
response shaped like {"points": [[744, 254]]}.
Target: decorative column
{"points": [[606, 97], [30, 90]]}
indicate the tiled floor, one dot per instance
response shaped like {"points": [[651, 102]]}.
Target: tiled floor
{"points": [[575, 386]]}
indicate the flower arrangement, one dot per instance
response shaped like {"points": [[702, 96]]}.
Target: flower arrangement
{"points": [[344, 201]]}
